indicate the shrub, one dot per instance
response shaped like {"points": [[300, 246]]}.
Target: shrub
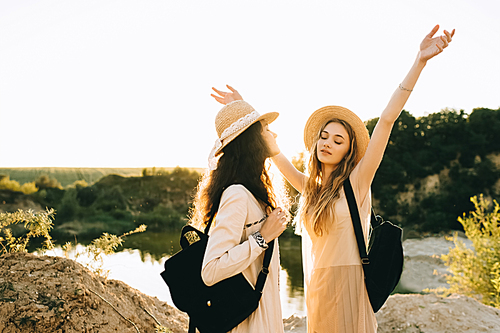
{"points": [[44, 182], [98, 248], [86, 196], [36, 224], [12, 185], [162, 218], [111, 199], [477, 273], [28, 188], [79, 184], [68, 208]]}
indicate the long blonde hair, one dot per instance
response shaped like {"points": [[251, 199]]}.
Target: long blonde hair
{"points": [[319, 194]]}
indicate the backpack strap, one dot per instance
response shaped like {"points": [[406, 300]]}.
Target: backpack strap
{"points": [[192, 326], [261, 279], [356, 221]]}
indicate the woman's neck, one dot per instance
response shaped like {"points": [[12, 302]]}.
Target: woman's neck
{"points": [[327, 170]]}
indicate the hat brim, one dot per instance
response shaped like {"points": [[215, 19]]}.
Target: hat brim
{"points": [[266, 118], [321, 116]]}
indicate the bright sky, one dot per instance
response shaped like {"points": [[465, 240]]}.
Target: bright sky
{"points": [[101, 83]]}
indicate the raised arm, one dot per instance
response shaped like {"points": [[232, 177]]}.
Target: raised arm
{"points": [[296, 178], [429, 48]]}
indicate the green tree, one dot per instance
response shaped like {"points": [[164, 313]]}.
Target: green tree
{"points": [[110, 199]]}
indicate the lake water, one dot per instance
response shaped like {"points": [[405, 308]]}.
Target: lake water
{"points": [[140, 262]]}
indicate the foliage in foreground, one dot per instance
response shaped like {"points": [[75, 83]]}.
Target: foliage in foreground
{"points": [[40, 225], [36, 225], [98, 248], [476, 273]]}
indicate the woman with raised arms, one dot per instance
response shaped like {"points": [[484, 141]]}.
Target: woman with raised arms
{"points": [[340, 148]]}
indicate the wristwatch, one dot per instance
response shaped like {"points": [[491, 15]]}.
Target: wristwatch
{"points": [[260, 240]]}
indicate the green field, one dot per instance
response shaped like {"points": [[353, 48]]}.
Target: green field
{"points": [[67, 176]]}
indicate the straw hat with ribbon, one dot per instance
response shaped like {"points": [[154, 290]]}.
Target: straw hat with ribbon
{"points": [[231, 121], [321, 116]]}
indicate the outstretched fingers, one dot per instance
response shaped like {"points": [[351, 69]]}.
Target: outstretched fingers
{"points": [[449, 36], [218, 99], [433, 31], [226, 97], [221, 93], [444, 40]]}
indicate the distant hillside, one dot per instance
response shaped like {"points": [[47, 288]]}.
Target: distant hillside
{"points": [[114, 204], [67, 176]]}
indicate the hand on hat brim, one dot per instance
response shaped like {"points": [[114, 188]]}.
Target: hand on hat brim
{"points": [[227, 97]]}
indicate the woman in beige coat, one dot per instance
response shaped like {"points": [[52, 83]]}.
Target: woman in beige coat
{"points": [[238, 192]]}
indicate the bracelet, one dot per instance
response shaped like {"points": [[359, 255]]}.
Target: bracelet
{"points": [[260, 240], [403, 88]]}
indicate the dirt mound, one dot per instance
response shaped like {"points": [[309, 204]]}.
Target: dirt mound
{"points": [[54, 294], [431, 313], [426, 313]]}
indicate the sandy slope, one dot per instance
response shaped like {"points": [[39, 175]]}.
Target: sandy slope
{"points": [[53, 294]]}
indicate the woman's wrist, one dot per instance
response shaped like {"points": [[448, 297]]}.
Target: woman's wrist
{"points": [[260, 239], [419, 62]]}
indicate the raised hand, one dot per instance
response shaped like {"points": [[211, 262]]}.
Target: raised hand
{"points": [[432, 46], [227, 97]]}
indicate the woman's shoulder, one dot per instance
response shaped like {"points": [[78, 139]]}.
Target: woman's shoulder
{"points": [[239, 193], [354, 177], [237, 190]]}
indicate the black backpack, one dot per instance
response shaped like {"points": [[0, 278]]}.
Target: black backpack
{"points": [[211, 309], [383, 264]]}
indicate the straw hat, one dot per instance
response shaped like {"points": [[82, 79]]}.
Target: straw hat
{"points": [[231, 121], [321, 116]]}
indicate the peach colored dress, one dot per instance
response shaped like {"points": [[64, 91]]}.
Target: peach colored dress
{"points": [[336, 296], [231, 250]]}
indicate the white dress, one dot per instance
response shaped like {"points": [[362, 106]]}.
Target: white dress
{"points": [[336, 296], [231, 250]]}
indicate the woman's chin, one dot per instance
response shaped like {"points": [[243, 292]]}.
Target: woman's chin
{"points": [[324, 160], [327, 162], [275, 152]]}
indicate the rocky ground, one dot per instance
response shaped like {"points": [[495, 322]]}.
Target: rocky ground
{"points": [[423, 267], [426, 313], [54, 294]]}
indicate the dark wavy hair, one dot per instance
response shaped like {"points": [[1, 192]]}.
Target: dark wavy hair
{"points": [[243, 162]]}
